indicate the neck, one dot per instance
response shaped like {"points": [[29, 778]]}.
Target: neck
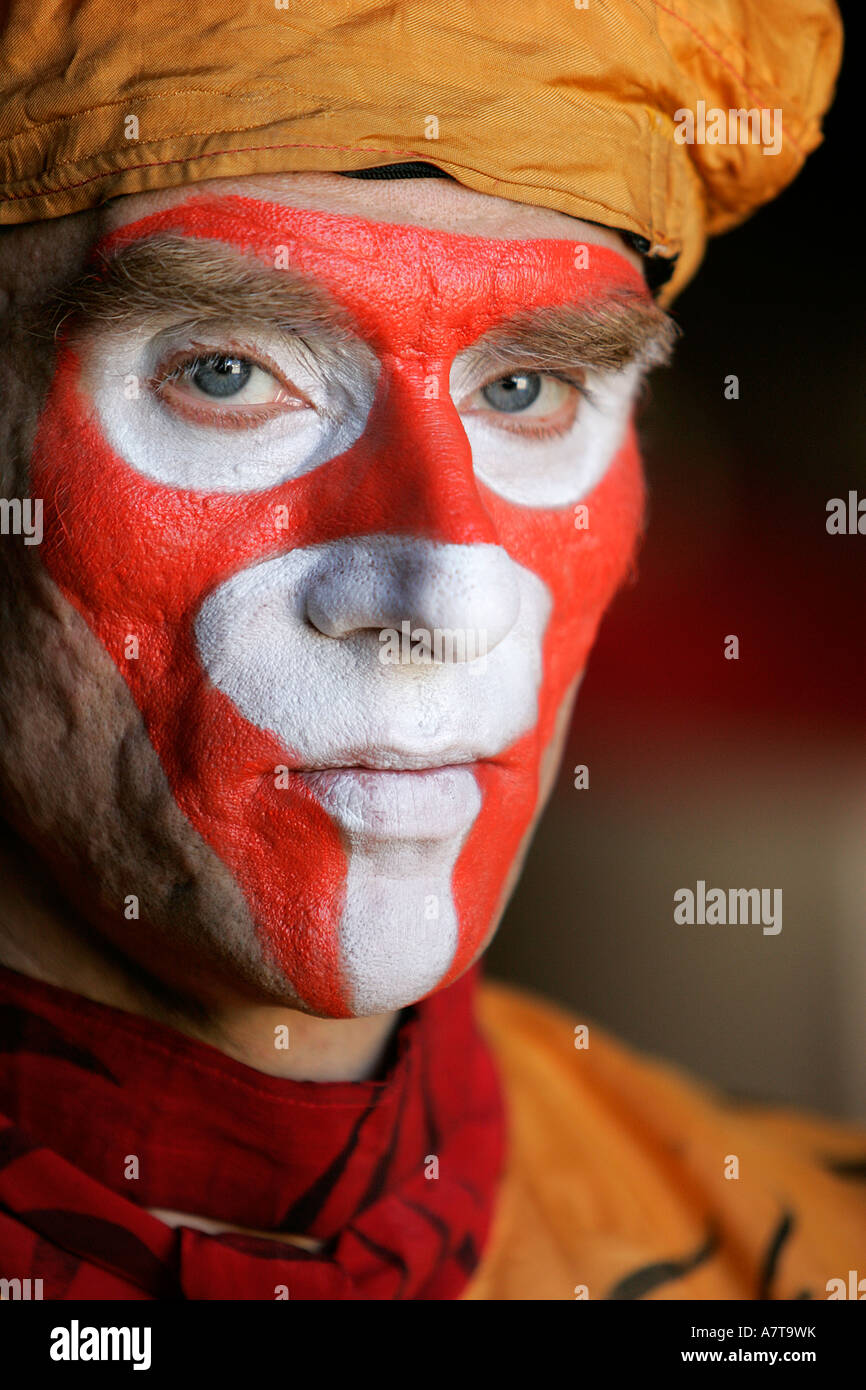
{"points": [[43, 937]]}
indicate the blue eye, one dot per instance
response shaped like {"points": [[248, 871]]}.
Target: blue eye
{"points": [[513, 393], [220, 375]]}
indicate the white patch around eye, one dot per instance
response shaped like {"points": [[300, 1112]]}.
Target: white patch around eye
{"points": [[168, 448], [559, 471]]}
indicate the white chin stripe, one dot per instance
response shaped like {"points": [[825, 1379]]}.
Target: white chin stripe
{"points": [[398, 931]]}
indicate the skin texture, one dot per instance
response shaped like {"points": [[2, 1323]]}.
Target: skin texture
{"points": [[103, 791]]}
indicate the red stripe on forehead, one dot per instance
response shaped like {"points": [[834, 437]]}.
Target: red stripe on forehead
{"points": [[408, 288]]}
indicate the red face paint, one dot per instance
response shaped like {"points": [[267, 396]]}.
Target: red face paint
{"points": [[136, 557]]}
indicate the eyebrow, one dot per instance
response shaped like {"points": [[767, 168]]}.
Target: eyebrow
{"points": [[606, 334], [198, 281], [172, 277]]}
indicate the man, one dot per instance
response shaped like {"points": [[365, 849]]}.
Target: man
{"points": [[332, 479]]}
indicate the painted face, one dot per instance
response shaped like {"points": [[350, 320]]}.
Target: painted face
{"points": [[350, 570]]}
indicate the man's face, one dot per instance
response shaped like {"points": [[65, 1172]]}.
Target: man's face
{"points": [[340, 476]]}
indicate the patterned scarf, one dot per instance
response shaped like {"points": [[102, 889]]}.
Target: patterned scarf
{"points": [[104, 1114]]}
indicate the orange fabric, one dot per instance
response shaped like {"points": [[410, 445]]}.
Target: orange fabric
{"points": [[562, 106], [616, 1178]]}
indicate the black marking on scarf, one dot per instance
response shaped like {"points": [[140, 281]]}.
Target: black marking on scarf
{"points": [[440, 1227], [649, 1277], [101, 1242], [854, 1169], [13, 1144], [774, 1250], [22, 1032], [376, 1185], [467, 1255], [388, 1256], [307, 1207]]}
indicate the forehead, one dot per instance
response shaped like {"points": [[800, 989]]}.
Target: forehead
{"points": [[437, 204], [429, 290], [424, 259]]}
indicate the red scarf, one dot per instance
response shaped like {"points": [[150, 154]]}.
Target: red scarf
{"points": [[85, 1088]]}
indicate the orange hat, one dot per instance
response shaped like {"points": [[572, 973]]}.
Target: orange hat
{"points": [[668, 121]]}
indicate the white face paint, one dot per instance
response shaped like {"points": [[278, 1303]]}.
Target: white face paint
{"points": [[570, 464], [321, 390], [265, 638], [363, 731], [403, 833]]}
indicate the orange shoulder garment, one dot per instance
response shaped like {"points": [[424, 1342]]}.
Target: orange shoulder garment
{"points": [[617, 1182]]}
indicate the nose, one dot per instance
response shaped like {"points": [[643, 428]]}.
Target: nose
{"points": [[376, 582], [430, 558]]}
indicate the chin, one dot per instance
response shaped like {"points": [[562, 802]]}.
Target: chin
{"points": [[398, 931]]}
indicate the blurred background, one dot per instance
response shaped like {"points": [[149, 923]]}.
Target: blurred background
{"points": [[748, 773]]}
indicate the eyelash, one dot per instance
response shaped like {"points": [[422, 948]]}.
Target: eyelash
{"points": [[178, 367], [199, 354], [541, 432]]}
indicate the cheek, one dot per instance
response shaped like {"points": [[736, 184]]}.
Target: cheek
{"points": [[134, 559], [581, 553], [581, 565]]}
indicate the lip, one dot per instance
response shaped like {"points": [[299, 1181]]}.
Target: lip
{"points": [[396, 768], [434, 802], [392, 762]]}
